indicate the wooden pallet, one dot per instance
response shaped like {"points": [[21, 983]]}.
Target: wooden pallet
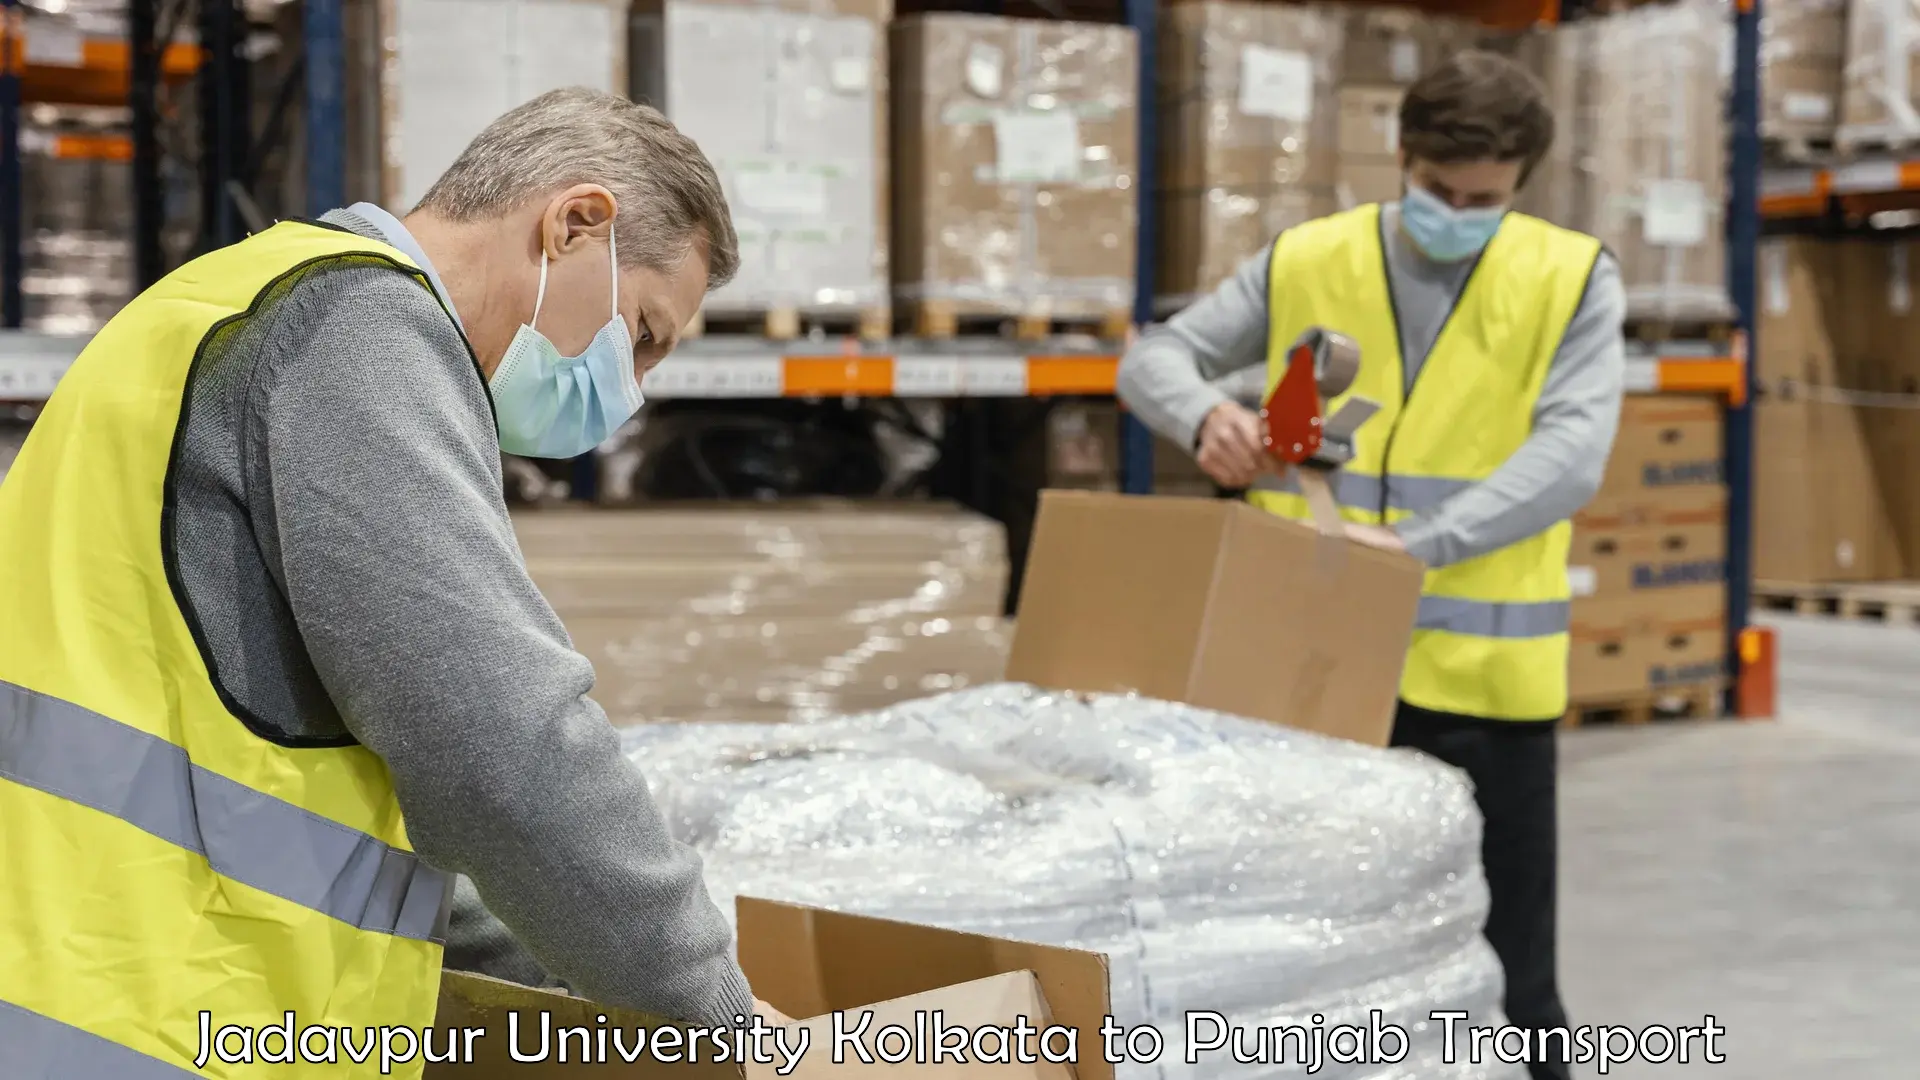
{"points": [[1895, 602], [789, 324], [1660, 331], [1699, 702], [941, 319], [1796, 150], [1848, 143]]}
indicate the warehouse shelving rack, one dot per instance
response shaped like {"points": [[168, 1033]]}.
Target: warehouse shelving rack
{"points": [[718, 367]]}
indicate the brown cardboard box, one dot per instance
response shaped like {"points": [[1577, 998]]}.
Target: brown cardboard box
{"points": [[1394, 45], [1561, 57], [1369, 144], [806, 962], [1666, 440], [1636, 643], [1369, 180], [1657, 138], [1881, 87], [1802, 50], [788, 99], [1015, 150], [1083, 446], [1651, 540], [1247, 136], [1215, 604]]}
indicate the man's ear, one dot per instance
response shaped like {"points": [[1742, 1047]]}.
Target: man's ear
{"points": [[580, 215]]}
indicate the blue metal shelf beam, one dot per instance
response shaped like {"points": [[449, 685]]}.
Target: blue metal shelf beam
{"points": [[1743, 243], [323, 27], [1136, 443]]}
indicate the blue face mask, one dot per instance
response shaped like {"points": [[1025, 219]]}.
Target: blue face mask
{"points": [[1444, 233], [553, 406]]}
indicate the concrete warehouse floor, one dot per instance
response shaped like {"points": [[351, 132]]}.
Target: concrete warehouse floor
{"points": [[1766, 873]]}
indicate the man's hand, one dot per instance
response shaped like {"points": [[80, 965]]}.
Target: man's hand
{"points": [[770, 1014], [1231, 448], [1375, 536]]}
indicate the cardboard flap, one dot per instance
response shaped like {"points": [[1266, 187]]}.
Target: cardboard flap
{"points": [[808, 962], [507, 1012]]}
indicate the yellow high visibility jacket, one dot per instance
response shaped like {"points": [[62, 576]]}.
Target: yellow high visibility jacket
{"points": [[161, 859], [1491, 640]]}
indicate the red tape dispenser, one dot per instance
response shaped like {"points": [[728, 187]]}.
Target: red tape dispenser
{"points": [[1303, 441]]}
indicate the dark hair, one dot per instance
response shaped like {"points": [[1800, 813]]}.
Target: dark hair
{"points": [[1477, 106]]}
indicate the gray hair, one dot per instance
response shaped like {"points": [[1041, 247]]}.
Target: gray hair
{"points": [[670, 199]]}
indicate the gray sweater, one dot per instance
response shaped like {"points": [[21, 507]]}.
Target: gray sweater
{"points": [[1216, 350], [343, 542]]}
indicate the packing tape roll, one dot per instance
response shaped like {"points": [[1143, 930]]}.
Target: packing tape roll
{"points": [[1338, 364]]}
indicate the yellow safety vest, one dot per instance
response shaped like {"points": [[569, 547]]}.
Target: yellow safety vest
{"points": [[160, 858], [1491, 640]]}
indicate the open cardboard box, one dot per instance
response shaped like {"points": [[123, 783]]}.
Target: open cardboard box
{"points": [[812, 963], [1216, 604]]}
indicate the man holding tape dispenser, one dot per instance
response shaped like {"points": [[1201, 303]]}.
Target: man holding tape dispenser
{"points": [[1493, 342]]}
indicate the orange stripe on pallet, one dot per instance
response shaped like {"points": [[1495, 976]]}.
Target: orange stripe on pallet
{"points": [[93, 147], [1048, 375], [1724, 376], [868, 376]]}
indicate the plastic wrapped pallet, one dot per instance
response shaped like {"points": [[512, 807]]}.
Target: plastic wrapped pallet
{"points": [[770, 614], [1222, 864], [1248, 137], [1802, 51], [78, 252], [1658, 188], [1014, 167], [789, 100], [1880, 92], [451, 67]]}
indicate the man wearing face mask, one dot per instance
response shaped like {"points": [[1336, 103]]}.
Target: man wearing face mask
{"points": [[283, 720], [1493, 341]]}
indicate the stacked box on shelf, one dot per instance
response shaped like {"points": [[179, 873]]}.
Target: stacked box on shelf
{"points": [[1083, 452], [1819, 513], [1875, 306], [1560, 57], [1385, 50], [1802, 50], [451, 67], [1249, 123], [1657, 194], [1880, 90], [789, 100], [1648, 565], [1015, 152], [78, 248], [791, 612]]}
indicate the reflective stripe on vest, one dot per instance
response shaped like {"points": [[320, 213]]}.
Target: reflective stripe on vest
{"points": [[250, 837], [162, 859], [1491, 635]]}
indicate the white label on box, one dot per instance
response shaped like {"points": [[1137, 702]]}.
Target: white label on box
{"points": [[926, 376], [1390, 128], [1799, 105], [984, 66], [784, 192], [1843, 554], [1773, 262], [1276, 83], [1729, 49], [1403, 59], [1037, 147], [747, 377], [1582, 580], [1899, 284], [55, 44], [851, 74], [1675, 214], [993, 376]]}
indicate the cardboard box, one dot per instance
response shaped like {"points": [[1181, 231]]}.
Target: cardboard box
{"points": [[809, 963], [1644, 642], [1881, 75], [1217, 604], [1014, 165], [1247, 136], [1394, 45], [1657, 138], [788, 99], [1370, 169], [1083, 446], [1665, 441], [1802, 50], [1649, 540], [1561, 57]]}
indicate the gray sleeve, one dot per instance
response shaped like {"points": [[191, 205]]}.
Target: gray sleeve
{"points": [[405, 578], [1166, 378], [1558, 468]]}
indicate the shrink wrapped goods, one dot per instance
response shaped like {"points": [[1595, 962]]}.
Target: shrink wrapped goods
{"points": [[788, 98], [1802, 53], [1248, 136], [1658, 186], [1014, 166], [1222, 864], [1880, 90]]}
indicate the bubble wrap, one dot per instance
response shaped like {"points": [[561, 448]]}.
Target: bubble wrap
{"points": [[1222, 864]]}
